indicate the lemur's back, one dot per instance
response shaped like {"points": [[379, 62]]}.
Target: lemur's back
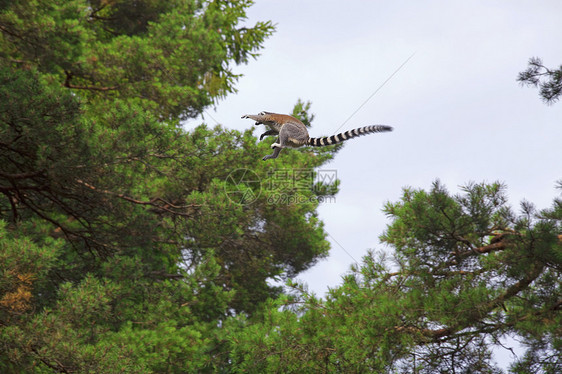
{"points": [[274, 120]]}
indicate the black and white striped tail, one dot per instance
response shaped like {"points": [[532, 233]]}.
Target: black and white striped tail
{"points": [[338, 138]]}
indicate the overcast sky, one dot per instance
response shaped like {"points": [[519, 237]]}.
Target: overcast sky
{"points": [[458, 112]]}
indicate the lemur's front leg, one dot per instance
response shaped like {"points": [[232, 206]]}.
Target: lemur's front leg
{"points": [[268, 132]]}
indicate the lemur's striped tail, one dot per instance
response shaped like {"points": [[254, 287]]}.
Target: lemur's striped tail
{"points": [[338, 138]]}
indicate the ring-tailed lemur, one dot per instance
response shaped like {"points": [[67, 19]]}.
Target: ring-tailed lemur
{"points": [[293, 133]]}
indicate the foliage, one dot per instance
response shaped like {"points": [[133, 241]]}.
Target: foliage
{"points": [[466, 272], [128, 244], [549, 81], [175, 57], [121, 249]]}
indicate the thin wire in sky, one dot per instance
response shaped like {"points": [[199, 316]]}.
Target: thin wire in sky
{"points": [[341, 246], [211, 117], [377, 90]]}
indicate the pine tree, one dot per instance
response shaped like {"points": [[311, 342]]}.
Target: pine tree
{"points": [[123, 248], [465, 273]]}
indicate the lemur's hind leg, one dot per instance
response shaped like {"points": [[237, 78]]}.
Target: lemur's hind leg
{"points": [[277, 147], [291, 135], [268, 132], [275, 153]]}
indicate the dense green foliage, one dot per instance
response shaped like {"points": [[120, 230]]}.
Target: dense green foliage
{"points": [[129, 245], [466, 273], [116, 224]]}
